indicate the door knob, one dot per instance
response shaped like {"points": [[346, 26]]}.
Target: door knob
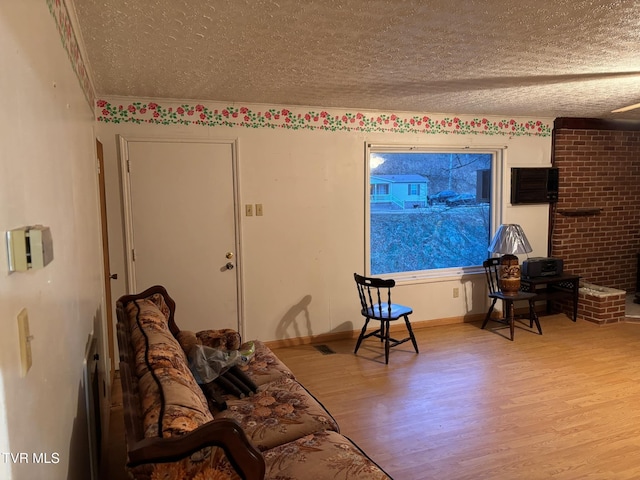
{"points": [[229, 266], [113, 276]]}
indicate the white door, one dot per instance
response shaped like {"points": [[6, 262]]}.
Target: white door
{"points": [[181, 228]]}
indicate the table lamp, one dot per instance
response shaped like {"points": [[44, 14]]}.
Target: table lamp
{"points": [[508, 241]]}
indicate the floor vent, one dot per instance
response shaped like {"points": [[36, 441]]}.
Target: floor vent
{"points": [[323, 349]]}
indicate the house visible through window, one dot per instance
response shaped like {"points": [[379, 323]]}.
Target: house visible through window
{"points": [[428, 209]]}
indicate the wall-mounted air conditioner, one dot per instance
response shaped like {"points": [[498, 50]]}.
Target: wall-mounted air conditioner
{"points": [[534, 185]]}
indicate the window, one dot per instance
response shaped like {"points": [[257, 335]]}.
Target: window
{"points": [[436, 211], [379, 188]]}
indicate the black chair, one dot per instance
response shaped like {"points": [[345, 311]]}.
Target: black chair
{"points": [[375, 300], [492, 272]]}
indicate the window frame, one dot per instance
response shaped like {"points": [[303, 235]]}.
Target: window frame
{"points": [[499, 154], [413, 189]]}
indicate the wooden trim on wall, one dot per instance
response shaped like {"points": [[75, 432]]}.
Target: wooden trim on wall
{"points": [[596, 124], [348, 334]]}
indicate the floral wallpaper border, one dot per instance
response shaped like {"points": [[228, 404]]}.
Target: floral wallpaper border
{"points": [[302, 118], [60, 13]]}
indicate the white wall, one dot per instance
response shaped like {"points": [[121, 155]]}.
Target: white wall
{"points": [[47, 176], [299, 258]]}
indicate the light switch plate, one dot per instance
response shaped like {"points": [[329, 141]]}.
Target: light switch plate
{"points": [[25, 341]]}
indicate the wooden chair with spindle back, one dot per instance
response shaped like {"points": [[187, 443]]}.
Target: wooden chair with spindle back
{"points": [[492, 272], [375, 302]]}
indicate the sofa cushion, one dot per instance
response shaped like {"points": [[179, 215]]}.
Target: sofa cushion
{"points": [[265, 367], [279, 413], [158, 300], [172, 403], [153, 343], [321, 456]]}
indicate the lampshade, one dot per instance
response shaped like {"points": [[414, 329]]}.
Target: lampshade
{"points": [[510, 239]]}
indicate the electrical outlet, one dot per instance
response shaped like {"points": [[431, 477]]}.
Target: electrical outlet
{"points": [[248, 210], [258, 209], [456, 292]]}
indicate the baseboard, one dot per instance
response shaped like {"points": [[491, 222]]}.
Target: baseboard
{"points": [[353, 334]]}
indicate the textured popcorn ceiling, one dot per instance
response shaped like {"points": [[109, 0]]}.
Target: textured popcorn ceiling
{"points": [[553, 58]]}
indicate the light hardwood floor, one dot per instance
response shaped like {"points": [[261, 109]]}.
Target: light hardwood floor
{"points": [[474, 405]]}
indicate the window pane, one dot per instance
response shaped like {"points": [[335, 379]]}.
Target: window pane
{"points": [[435, 212]]}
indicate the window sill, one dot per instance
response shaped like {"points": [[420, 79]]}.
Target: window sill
{"points": [[434, 276]]}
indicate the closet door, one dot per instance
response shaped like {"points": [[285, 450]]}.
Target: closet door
{"points": [[182, 230]]}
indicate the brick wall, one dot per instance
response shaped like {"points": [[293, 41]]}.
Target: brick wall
{"points": [[596, 222], [599, 308]]}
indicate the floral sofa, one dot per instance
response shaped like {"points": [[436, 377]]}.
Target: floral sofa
{"points": [[173, 432]]}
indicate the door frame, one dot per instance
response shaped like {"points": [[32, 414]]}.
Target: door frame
{"points": [[105, 259], [106, 366], [123, 142]]}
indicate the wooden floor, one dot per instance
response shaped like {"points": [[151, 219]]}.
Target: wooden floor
{"points": [[474, 405]]}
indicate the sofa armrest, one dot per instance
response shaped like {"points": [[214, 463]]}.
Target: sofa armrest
{"points": [[156, 289], [226, 434]]}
